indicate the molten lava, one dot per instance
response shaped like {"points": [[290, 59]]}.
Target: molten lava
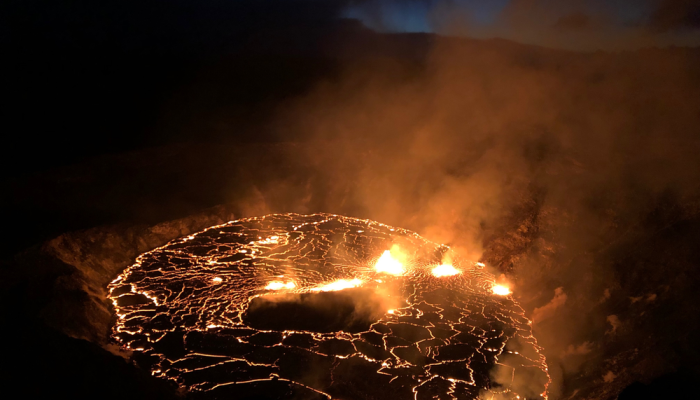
{"points": [[445, 270], [501, 290], [388, 264], [277, 285], [340, 284], [295, 305]]}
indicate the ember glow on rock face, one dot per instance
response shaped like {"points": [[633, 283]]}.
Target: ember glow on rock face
{"points": [[295, 306]]}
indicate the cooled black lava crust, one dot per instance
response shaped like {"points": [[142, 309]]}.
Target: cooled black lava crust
{"points": [[241, 310]]}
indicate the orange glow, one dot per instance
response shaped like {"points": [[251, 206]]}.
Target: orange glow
{"points": [[217, 279], [340, 284], [270, 240], [389, 265], [501, 290], [277, 285], [445, 270]]}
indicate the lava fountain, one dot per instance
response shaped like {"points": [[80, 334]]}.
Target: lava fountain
{"points": [[324, 306]]}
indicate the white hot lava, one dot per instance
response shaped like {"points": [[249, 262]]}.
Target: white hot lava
{"points": [[445, 270], [389, 265], [277, 285], [500, 290], [340, 284]]}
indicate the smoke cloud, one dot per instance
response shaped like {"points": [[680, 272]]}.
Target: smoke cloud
{"points": [[548, 310], [539, 162]]}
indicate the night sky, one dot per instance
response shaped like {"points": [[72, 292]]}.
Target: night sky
{"points": [[71, 66], [666, 22]]}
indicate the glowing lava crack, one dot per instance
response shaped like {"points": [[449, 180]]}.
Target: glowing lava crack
{"points": [[324, 306]]}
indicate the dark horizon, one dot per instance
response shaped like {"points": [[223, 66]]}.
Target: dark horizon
{"points": [[72, 67]]}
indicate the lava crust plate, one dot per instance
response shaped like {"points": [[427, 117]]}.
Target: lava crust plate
{"points": [[299, 306]]}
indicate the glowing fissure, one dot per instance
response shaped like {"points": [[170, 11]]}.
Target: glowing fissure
{"points": [[340, 284], [183, 305], [277, 285]]}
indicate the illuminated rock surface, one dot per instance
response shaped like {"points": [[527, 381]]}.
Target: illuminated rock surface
{"points": [[292, 306]]}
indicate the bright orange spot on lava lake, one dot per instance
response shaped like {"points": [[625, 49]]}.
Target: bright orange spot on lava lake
{"points": [[277, 285], [388, 264], [445, 270], [340, 284], [500, 290]]}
